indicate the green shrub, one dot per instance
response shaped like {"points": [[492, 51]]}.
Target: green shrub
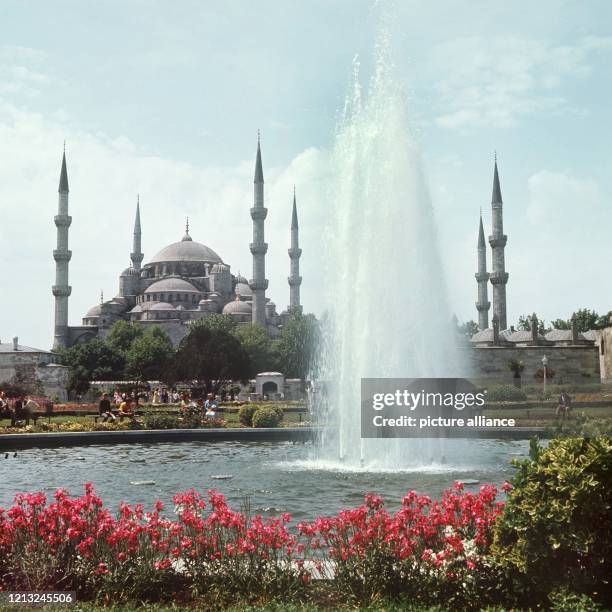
{"points": [[161, 422], [266, 416], [556, 525], [505, 393], [245, 414]]}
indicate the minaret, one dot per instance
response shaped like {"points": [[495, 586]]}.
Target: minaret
{"points": [[136, 255], [61, 289], [295, 280], [482, 280], [259, 283], [498, 276]]}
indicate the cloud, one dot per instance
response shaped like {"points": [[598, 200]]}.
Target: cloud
{"points": [[552, 194], [105, 174], [17, 74], [495, 81]]}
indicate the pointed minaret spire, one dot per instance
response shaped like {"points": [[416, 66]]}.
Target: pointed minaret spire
{"points": [[498, 240], [496, 197], [187, 237], [136, 256], [61, 289], [294, 219], [482, 280], [258, 166], [259, 283], [63, 183], [295, 280], [101, 296]]}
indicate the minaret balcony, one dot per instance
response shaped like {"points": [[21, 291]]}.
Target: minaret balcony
{"points": [[259, 213], [294, 281], [485, 306], [498, 241], [498, 278], [62, 220], [261, 285], [258, 248], [61, 290], [61, 255], [481, 276], [295, 253]]}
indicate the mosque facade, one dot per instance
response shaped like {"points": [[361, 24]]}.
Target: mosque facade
{"points": [[184, 282]]}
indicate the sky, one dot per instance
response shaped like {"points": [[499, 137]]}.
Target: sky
{"points": [[164, 99]]}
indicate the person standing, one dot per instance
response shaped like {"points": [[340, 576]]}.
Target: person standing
{"points": [[565, 402]]}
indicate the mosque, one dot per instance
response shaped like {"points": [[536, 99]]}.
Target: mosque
{"points": [[184, 282], [576, 357]]}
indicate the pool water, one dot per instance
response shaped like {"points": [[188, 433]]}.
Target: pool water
{"points": [[273, 477]]}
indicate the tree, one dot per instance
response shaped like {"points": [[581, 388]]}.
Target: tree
{"points": [[211, 357], [586, 319], [469, 328], [121, 335], [221, 322], [524, 324], [297, 343], [255, 341], [98, 360], [149, 356], [560, 324]]}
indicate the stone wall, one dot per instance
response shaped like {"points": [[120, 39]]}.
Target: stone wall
{"points": [[571, 364], [35, 370]]}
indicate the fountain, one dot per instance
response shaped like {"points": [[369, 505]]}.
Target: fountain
{"points": [[389, 310]]}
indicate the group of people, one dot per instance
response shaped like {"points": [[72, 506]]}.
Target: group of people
{"points": [[207, 407], [163, 396], [19, 409], [125, 407]]}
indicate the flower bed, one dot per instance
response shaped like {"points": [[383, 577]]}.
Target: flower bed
{"points": [[209, 550]]}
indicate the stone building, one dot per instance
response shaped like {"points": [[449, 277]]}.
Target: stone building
{"points": [[185, 281], [33, 368], [574, 357]]}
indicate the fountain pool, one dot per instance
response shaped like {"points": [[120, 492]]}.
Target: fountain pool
{"points": [[276, 477]]}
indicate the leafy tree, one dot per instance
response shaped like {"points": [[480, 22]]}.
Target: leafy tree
{"points": [[255, 341], [297, 344], [121, 335], [524, 324], [469, 328], [98, 360], [78, 380], [149, 356], [586, 319], [560, 324], [211, 357], [222, 322]]}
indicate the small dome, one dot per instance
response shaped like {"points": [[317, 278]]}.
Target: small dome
{"points": [[180, 307], [161, 306], [243, 289], [137, 308], [240, 280], [94, 311], [131, 271], [174, 284], [237, 307]]}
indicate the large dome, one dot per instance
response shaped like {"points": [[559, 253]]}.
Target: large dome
{"points": [[186, 250]]}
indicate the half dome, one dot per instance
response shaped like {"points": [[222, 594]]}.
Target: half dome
{"points": [[171, 284]]}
